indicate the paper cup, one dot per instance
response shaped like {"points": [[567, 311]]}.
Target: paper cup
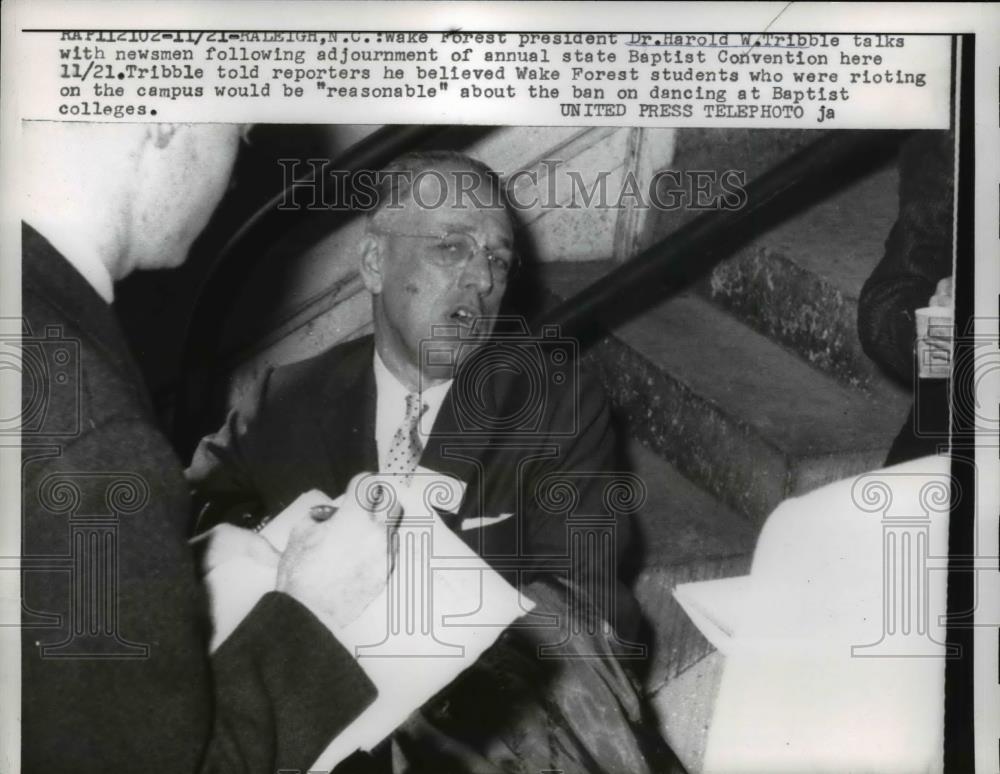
{"points": [[935, 329]]}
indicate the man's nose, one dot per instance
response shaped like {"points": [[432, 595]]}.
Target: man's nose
{"points": [[478, 273]]}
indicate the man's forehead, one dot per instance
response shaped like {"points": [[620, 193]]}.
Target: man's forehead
{"points": [[451, 196], [428, 186]]}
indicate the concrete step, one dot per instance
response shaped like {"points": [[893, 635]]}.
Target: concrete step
{"points": [[738, 414], [798, 282], [683, 534], [681, 522], [684, 708]]}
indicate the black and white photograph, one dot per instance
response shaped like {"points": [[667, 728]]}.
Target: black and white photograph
{"points": [[387, 395]]}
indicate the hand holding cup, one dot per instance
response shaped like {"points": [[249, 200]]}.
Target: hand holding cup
{"points": [[935, 332]]}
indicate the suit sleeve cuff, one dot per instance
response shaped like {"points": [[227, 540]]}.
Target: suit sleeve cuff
{"points": [[314, 684]]}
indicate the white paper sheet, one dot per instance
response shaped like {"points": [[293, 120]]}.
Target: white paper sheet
{"points": [[419, 633], [833, 643]]}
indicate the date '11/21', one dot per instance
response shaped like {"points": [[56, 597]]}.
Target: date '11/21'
{"points": [[81, 72]]}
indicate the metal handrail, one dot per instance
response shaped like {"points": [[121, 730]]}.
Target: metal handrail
{"points": [[697, 247]]}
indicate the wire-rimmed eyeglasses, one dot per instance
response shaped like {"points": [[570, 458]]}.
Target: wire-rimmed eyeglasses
{"points": [[456, 248]]}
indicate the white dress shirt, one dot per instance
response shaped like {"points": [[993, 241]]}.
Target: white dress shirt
{"points": [[390, 408]]}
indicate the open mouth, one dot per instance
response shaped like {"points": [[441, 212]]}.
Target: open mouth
{"points": [[464, 316]]}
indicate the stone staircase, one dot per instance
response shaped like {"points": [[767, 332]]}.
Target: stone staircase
{"points": [[736, 394], [743, 390]]}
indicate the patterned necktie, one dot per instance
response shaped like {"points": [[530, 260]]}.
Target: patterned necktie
{"points": [[406, 448]]}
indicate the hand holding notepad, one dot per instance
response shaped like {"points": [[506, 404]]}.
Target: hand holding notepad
{"points": [[336, 559], [332, 560], [417, 633]]}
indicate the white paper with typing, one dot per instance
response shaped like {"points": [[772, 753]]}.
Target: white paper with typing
{"points": [[442, 607], [833, 645]]}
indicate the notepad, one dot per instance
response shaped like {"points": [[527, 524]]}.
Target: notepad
{"points": [[443, 605]]}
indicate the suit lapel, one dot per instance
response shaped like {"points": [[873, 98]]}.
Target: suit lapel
{"points": [[463, 451], [446, 434], [347, 417]]}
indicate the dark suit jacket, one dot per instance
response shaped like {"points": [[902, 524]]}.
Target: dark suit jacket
{"points": [[133, 689], [542, 450], [918, 253]]}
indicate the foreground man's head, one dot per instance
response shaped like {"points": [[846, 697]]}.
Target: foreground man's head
{"points": [[436, 256], [136, 195]]}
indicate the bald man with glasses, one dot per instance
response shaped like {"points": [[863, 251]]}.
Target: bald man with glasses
{"points": [[439, 386]]}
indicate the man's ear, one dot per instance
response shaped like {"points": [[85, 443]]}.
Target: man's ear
{"points": [[372, 256]]}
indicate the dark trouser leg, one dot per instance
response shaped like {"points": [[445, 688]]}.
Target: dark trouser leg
{"points": [[518, 709], [926, 428]]}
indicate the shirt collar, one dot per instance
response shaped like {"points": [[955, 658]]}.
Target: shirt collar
{"points": [[394, 391], [390, 402]]}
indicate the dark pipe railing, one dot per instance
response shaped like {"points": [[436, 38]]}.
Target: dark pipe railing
{"points": [[697, 247], [243, 251]]}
